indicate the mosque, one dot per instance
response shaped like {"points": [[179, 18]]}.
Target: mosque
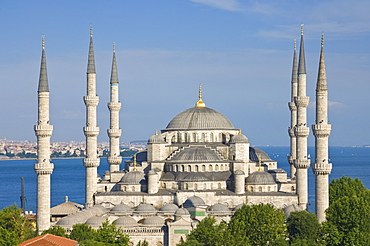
{"points": [[199, 165]]}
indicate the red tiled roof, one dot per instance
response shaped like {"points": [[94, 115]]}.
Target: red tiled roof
{"points": [[49, 240]]}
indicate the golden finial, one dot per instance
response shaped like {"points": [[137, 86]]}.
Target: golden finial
{"points": [[302, 29], [91, 29], [156, 132], [322, 39], [259, 162], [295, 44], [43, 41], [200, 103], [240, 131], [135, 169], [114, 47]]}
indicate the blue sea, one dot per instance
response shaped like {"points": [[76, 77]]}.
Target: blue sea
{"points": [[68, 178]]}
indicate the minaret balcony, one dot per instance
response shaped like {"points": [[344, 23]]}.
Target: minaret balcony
{"points": [[290, 159], [301, 131], [321, 130], [301, 101], [291, 132], [91, 131], [322, 168], [44, 168], [114, 133], [43, 130], [91, 101], [115, 160], [301, 163], [91, 162], [292, 106], [114, 106]]}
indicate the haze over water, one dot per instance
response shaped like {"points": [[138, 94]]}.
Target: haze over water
{"points": [[68, 178]]}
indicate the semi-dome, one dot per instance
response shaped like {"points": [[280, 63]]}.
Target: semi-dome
{"points": [[134, 177], [156, 139], [153, 221], [121, 208], [255, 153], [197, 154], [181, 212], [193, 201], [125, 221], [169, 208], [239, 172], [194, 177], [145, 208], [240, 138], [199, 118], [260, 178], [219, 208]]}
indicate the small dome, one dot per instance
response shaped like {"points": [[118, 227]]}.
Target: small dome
{"points": [[95, 221], [193, 201], [125, 221], [240, 138], [260, 178], [121, 208], [181, 212], [70, 221], [199, 118], [153, 221], [239, 172], [254, 153], [169, 208], [219, 208], [145, 208], [239, 206], [134, 177], [156, 139]]}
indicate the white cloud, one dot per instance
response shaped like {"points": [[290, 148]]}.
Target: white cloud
{"points": [[229, 5]]}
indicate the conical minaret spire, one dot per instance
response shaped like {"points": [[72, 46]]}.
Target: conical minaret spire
{"points": [[321, 131], [301, 131], [91, 130], [293, 113], [43, 131], [114, 106]]}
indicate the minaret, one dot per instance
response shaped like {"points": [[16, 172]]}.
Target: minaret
{"points": [[321, 130], [301, 131], [43, 131], [114, 106], [91, 130], [293, 114]]}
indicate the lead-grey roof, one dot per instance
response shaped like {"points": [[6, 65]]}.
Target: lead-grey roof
{"points": [[240, 138], [125, 221], [133, 177], [153, 221], [196, 154], [43, 80], [199, 118], [219, 208], [193, 201], [302, 60], [260, 178], [95, 221], [169, 208], [91, 60], [114, 75], [254, 154], [121, 208], [156, 139]]}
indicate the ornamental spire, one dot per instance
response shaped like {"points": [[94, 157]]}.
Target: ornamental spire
{"points": [[91, 61], [321, 78], [43, 79], [295, 69], [200, 103], [114, 75], [302, 62]]}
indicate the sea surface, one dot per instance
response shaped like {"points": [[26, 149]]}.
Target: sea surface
{"points": [[68, 178]]}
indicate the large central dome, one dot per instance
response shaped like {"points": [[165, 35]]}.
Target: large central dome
{"points": [[199, 118]]}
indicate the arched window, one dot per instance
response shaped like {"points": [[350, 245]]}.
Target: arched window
{"points": [[189, 168], [133, 188], [219, 186], [196, 168], [204, 168], [293, 189], [176, 168], [195, 137], [268, 188], [211, 137], [204, 186], [251, 188], [182, 168], [210, 168], [195, 187], [211, 186], [164, 185], [216, 168], [186, 137], [125, 188], [260, 189], [203, 137], [186, 186]]}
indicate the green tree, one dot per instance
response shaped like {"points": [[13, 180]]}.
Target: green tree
{"points": [[8, 237], [303, 228], [109, 233], [57, 231], [207, 233], [18, 227], [348, 215], [81, 232], [142, 243], [260, 224]]}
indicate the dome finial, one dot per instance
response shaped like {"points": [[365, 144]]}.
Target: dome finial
{"points": [[240, 131], [156, 132], [200, 103], [135, 169]]}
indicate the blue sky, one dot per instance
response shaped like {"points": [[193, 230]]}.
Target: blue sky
{"points": [[241, 51]]}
